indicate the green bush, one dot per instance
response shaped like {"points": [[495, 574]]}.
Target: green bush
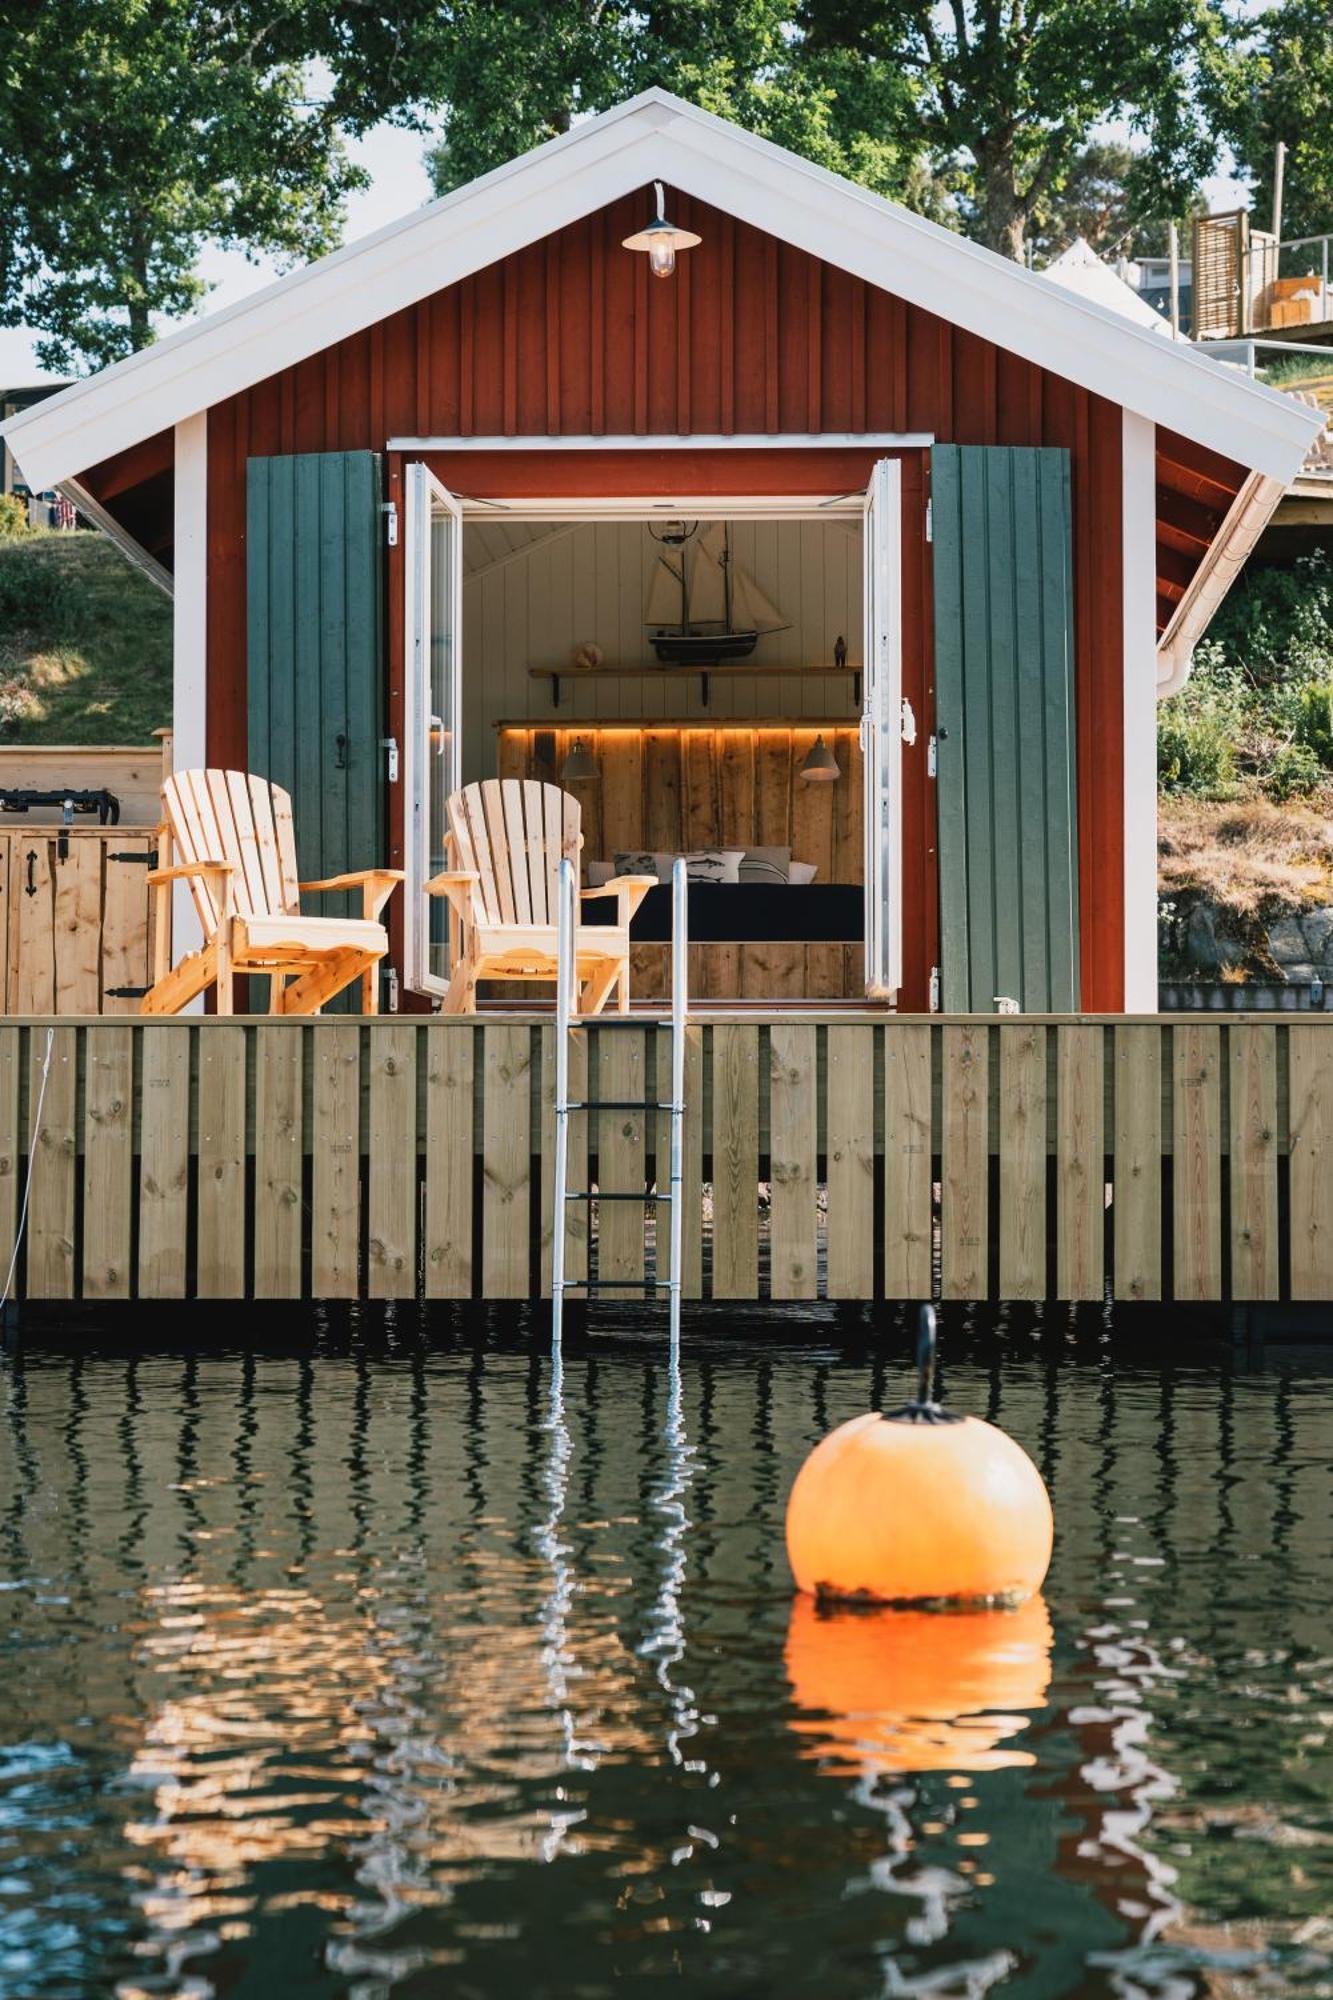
{"points": [[1293, 772], [1314, 722], [1198, 731], [13, 516], [36, 592]]}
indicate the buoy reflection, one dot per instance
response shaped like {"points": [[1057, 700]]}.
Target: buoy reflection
{"points": [[904, 1690]]}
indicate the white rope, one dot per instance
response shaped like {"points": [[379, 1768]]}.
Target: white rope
{"points": [[27, 1183]]}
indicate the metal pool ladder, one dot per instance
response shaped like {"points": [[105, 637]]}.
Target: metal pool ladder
{"points": [[565, 1009]]}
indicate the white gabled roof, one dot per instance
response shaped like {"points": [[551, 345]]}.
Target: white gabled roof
{"points": [[659, 137], [1079, 269]]}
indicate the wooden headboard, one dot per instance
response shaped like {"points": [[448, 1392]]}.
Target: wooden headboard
{"points": [[670, 790]]}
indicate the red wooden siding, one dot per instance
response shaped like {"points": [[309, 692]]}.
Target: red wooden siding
{"points": [[1195, 488]]}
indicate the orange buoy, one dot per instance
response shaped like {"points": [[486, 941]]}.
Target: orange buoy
{"points": [[894, 1690], [919, 1505]]}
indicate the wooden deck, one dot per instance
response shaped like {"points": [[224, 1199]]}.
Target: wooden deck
{"points": [[845, 1158]]}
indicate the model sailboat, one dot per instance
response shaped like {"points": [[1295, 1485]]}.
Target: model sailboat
{"points": [[701, 606]]}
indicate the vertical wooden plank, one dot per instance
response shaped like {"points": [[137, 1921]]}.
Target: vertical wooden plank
{"points": [[699, 810], [335, 1181], [164, 1161], [506, 1161], [391, 1247], [1136, 1210], [773, 788], [735, 786], [32, 958], [735, 1161], [692, 1154], [279, 1137], [793, 1147], [661, 791], [124, 923], [1252, 1054], [964, 1163], [1080, 1199], [622, 793], [11, 1146], [1310, 1054], [619, 1140], [108, 1161], [78, 926], [1197, 1160], [447, 1252], [850, 1150], [51, 1148], [908, 1223], [220, 1236], [1022, 1143], [576, 1217]]}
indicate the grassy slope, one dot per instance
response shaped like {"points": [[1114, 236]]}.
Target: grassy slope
{"points": [[85, 642]]}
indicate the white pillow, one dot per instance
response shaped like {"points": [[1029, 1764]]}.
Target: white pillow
{"points": [[599, 874], [715, 864], [802, 872]]}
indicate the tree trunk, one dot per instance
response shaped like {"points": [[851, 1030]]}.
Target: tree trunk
{"points": [[1001, 209]]}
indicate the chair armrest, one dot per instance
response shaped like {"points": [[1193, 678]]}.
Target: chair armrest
{"points": [[459, 885], [376, 885], [188, 868], [629, 891]]}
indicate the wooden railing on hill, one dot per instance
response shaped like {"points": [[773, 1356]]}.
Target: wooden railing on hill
{"points": [[849, 1159]]}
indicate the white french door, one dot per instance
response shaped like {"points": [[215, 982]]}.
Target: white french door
{"points": [[432, 753], [882, 730]]}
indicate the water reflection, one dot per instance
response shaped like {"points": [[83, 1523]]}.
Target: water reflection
{"points": [[393, 1676]]}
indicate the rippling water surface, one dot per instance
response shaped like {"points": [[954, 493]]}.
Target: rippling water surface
{"points": [[435, 1675]]}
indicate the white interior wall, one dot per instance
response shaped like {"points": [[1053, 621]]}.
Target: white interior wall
{"points": [[534, 592]]}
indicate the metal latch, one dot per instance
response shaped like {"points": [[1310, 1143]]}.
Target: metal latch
{"points": [[390, 743], [931, 757], [389, 509], [908, 722], [934, 989], [930, 520]]}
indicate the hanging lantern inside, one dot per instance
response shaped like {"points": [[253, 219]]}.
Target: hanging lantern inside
{"points": [[661, 239], [580, 765], [820, 766]]}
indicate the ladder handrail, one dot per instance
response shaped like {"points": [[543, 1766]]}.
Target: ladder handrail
{"points": [[566, 996]]}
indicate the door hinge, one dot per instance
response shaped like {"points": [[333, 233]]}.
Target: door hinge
{"points": [[934, 989], [140, 860], [930, 520], [389, 509], [932, 757], [125, 992], [908, 722], [390, 744]]}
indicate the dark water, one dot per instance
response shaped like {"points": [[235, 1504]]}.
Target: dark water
{"points": [[403, 1676]]}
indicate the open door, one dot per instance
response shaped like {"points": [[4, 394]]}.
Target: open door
{"points": [[433, 751], [882, 731]]}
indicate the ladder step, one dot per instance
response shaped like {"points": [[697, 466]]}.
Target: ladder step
{"points": [[617, 1104], [610, 1195], [617, 1284]]}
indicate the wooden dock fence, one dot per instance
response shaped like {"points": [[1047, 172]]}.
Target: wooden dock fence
{"points": [[844, 1158]]}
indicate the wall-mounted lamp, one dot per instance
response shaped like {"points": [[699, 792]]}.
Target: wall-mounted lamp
{"points": [[579, 765], [820, 766], [661, 239]]}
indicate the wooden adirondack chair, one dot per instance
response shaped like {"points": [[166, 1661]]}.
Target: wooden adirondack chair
{"points": [[507, 837], [234, 844]]}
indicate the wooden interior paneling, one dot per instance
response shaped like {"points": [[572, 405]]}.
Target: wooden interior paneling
{"points": [[670, 790]]}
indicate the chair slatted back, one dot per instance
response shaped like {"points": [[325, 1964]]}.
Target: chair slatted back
{"points": [[513, 833], [236, 817]]}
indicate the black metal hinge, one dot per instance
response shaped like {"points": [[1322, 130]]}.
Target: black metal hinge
{"points": [[125, 992], [148, 860]]}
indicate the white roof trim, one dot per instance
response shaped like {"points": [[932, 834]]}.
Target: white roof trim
{"points": [[659, 137]]}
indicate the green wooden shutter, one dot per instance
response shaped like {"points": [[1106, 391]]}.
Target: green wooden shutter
{"points": [[1004, 710], [315, 656]]}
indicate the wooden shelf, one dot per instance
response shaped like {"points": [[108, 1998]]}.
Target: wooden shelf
{"points": [[726, 670]]}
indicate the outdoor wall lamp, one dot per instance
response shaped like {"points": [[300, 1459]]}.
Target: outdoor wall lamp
{"points": [[820, 766], [580, 764], [661, 239]]}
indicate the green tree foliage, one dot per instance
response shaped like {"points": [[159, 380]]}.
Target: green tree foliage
{"points": [[1112, 199], [1009, 92], [1271, 79], [134, 132]]}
